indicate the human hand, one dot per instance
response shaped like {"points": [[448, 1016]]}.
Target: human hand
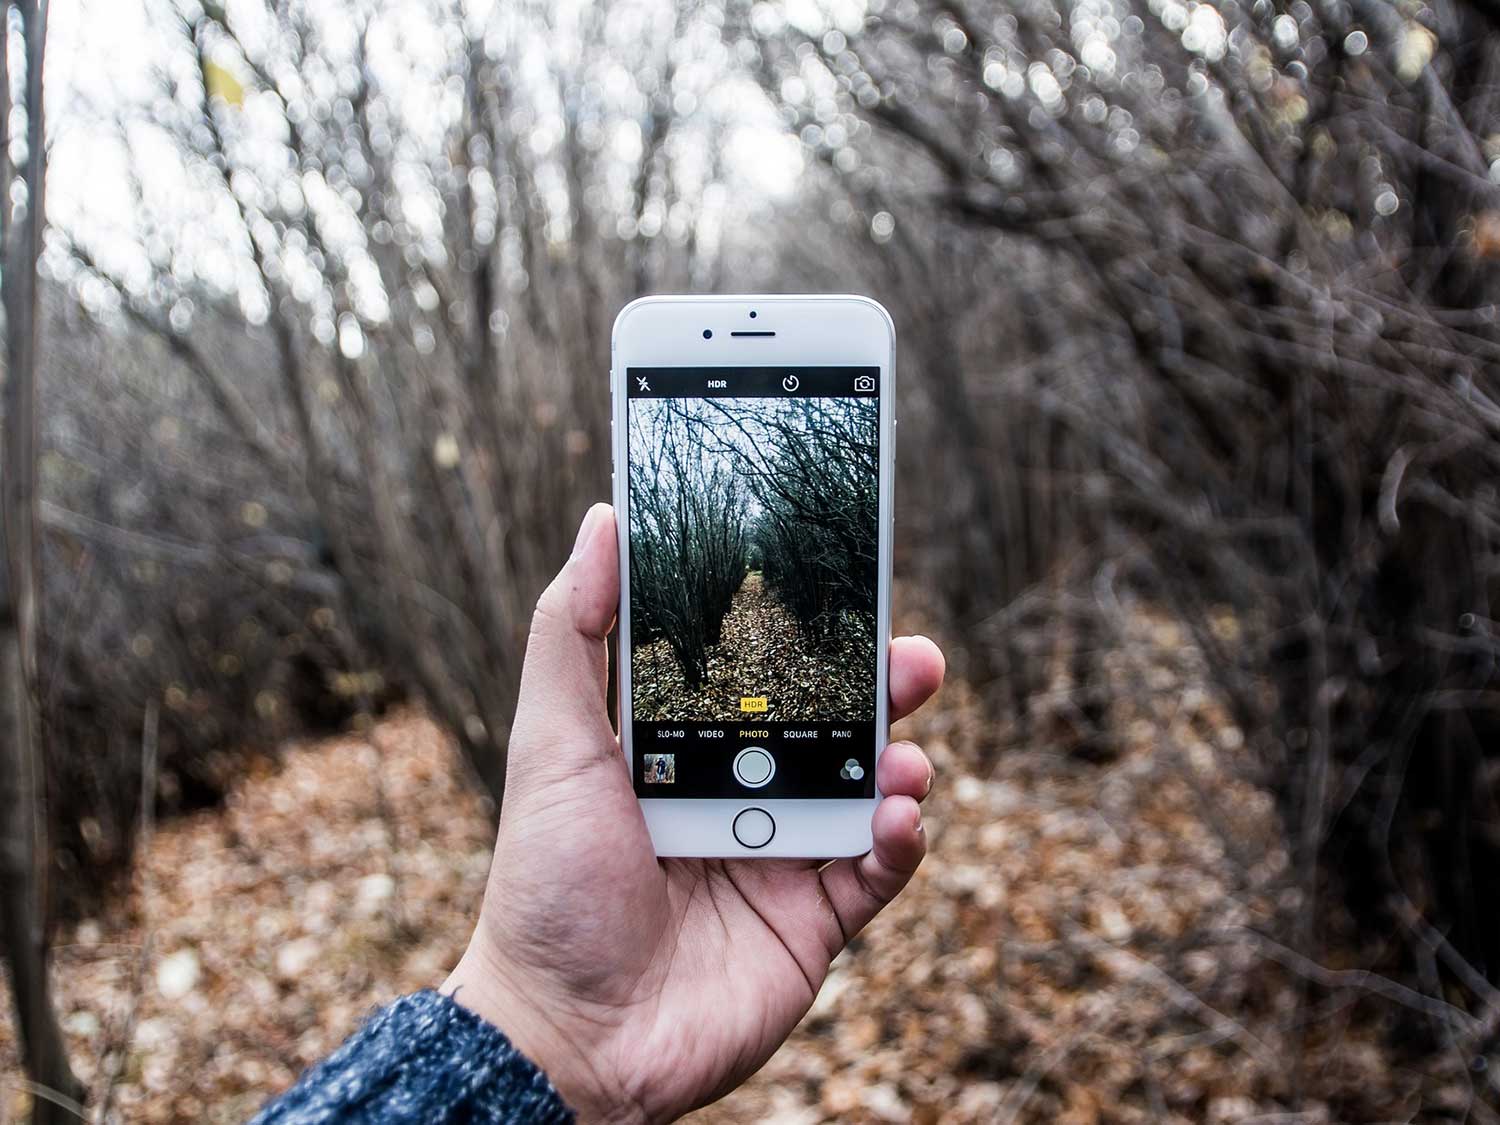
{"points": [[647, 987]]}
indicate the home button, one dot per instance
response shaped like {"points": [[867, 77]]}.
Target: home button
{"points": [[754, 767], [754, 828]]}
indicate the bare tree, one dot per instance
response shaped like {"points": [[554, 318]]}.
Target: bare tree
{"points": [[688, 537], [432, 245], [812, 466], [25, 858], [1235, 353]]}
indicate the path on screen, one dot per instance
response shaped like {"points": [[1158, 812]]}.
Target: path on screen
{"points": [[762, 654]]}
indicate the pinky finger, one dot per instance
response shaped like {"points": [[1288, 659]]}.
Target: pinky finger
{"points": [[860, 888]]}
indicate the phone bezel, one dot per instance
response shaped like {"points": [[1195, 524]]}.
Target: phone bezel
{"points": [[840, 329]]}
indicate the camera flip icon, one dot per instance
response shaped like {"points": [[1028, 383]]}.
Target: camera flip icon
{"points": [[864, 385]]}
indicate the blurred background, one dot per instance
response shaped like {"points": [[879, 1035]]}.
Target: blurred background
{"points": [[306, 316]]}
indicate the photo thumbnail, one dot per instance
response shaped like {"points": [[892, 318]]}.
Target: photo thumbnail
{"points": [[659, 769]]}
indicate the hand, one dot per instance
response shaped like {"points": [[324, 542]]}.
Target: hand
{"points": [[647, 987]]}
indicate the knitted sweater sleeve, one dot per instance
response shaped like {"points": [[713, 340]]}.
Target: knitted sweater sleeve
{"points": [[422, 1059]]}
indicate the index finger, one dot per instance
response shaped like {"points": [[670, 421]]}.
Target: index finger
{"points": [[917, 667]]}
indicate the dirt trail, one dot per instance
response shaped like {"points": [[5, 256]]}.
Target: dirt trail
{"points": [[762, 653]]}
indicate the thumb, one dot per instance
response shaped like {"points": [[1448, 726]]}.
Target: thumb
{"points": [[562, 718]]}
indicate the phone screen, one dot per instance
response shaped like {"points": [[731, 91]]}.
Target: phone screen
{"points": [[754, 525]]}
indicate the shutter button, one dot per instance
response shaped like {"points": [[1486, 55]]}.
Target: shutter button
{"points": [[754, 767]]}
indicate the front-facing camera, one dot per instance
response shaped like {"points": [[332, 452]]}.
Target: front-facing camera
{"points": [[708, 333]]}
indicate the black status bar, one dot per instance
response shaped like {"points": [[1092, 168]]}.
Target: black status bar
{"points": [[753, 382]]}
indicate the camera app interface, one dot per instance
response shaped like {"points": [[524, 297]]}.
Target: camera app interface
{"points": [[754, 559]]}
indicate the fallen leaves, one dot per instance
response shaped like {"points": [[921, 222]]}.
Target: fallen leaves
{"points": [[1078, 947], [277, 923]]}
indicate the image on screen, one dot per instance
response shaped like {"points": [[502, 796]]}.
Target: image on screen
{"points": [[754, 569]]}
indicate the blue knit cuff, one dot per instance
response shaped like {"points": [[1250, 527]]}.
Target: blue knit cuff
{"points": [[422, 1059]]}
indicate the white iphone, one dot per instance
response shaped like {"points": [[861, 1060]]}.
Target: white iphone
{"points": [[753, 453]]}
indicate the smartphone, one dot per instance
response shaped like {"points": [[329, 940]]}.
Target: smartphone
{"points": [[753, 453]]}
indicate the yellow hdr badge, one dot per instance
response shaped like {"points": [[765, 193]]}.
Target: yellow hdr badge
{"points": [[752, 704]]}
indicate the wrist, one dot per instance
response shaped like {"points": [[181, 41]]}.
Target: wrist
{"points": [[571, 1063]]}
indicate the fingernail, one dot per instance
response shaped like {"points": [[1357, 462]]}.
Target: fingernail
{"points": [[584, 530], [931, 778], [919, 827]]}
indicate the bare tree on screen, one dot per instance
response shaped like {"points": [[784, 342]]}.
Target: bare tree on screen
{"points": [[688, 538], [813, 467]]}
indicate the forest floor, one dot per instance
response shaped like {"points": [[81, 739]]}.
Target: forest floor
{"points": [[1089, 941], [761, 653]]}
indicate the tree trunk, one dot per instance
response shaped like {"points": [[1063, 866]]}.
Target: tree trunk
{"points": [[23, 838]]}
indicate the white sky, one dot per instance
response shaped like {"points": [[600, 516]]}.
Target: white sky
{"points": [[100, 57]]}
